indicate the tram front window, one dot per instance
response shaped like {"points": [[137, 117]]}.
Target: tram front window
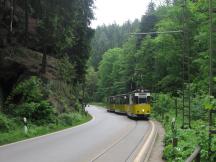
{"points": [[135, 100], [142, 100]]}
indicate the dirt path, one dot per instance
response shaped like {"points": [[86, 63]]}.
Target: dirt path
{"points": [[157, 152]]}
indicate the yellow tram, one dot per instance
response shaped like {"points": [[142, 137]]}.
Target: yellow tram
{"points": [[134, 104]]}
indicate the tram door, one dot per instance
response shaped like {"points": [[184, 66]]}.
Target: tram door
{"points": [[130, 103]]}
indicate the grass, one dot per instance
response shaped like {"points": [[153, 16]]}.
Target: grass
{"points": [[34, 131]]}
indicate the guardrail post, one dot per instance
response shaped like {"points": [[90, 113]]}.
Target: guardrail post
{"points": [[195, 156]]}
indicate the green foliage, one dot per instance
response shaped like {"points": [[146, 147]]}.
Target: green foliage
{"points": [[44, 113], [188, 139], [163, 104], [66, 70], [26, 100], [109, 74], [17, 133], [28, 90], [108, 37], [91, 80], [155, 61], [209, 103], [5, 123]]}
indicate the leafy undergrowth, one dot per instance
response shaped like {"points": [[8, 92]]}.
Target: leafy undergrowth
{"points": [[188, 140], [29, 100], [64, 121]]}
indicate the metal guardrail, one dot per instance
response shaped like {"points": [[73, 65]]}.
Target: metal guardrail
{"points": [[195, 156]]}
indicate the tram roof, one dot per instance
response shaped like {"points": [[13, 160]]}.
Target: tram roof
{"points": [[135, 91]]}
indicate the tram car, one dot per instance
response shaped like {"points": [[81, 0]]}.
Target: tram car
{"points": [[136, 104]]}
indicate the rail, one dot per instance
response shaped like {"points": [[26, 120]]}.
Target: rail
{"points": [[195, 156]]}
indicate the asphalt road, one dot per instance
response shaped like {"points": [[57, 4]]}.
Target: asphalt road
{"points": [[106, 138]]}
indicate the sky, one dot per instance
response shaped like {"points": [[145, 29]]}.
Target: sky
{"points": [[119, 11]]}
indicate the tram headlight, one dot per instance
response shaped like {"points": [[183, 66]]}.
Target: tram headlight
{"points": [[143, 110]]}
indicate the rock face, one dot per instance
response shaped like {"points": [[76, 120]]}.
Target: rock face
{"points": [[19, 63]]}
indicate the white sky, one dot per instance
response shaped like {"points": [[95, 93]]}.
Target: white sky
{"points": [[119, 11]]}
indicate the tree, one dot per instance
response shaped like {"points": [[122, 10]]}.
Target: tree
{"points": [[110, 36], [108, 72], [148, 22]]}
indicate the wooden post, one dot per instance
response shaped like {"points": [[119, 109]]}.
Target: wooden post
{"points": [[175, 142], [173, 128], [176, 107]]}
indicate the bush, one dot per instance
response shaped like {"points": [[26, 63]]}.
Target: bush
{"points": [[25, 92], [44, 113], [29, 90], [163, 104], [26, 100], [5, 123], [65, 119]]}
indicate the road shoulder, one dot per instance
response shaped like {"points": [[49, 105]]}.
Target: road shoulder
{"points": [[157, 151]]}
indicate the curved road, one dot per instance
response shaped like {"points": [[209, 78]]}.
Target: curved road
{"points": [[106, 138]]}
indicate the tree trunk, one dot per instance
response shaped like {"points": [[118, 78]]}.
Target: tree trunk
{"points": [[11, 17], [44, 63], [26, 21]]}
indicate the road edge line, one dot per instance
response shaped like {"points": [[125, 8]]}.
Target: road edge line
{"points": [[147, 146], [49, 134]]}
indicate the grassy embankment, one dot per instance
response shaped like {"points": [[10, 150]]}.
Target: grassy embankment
{"points": [[65, 121]]}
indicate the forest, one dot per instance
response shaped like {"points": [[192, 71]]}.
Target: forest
{"points": [[44, 49], [173, 65]]}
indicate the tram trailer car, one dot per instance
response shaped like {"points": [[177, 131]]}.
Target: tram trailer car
{"points": [[121, 103]]}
